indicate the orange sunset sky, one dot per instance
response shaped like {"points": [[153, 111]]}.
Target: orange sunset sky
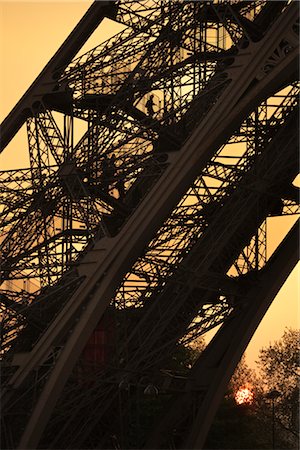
{"points": [[30, 33]]}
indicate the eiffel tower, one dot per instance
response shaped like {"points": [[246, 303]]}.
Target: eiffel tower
{"points": [[122, 247]]}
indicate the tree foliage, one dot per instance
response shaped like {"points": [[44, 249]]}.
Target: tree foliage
{"points": [[279, 363], [267, 423], [279, 367]]}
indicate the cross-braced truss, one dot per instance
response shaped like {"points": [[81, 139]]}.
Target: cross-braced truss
{"points": [[155, 161]]}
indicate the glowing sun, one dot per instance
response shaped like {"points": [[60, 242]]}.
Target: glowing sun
{"points": [[244, 396]]}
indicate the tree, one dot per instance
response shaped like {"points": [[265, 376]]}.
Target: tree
{"points": [[267, 422], [238, 426], [279, 367]]}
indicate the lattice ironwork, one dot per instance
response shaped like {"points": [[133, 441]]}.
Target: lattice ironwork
{"points": [[103, 141]]}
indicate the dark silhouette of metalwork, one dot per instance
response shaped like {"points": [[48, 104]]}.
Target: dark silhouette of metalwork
{"points": [[150, 230]]}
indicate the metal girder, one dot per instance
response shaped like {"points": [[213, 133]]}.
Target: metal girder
{"points": [[212, 316], [88, 202], [111, 260], [182, 137], [211, 373], [46, 82], [168, 312]]}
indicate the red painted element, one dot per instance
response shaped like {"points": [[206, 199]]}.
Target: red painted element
{"points": [[98, 350]]}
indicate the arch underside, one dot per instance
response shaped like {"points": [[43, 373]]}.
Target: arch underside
{"points": [[166, 240]]}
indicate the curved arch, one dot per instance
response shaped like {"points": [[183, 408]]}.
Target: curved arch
{"points": [[211, 373], [104, 266]]}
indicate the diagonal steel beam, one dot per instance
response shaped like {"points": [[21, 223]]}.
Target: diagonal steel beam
{"points": [[115, 255], [211, 373], [46, 82]]}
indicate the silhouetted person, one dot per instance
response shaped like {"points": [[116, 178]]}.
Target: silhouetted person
{"points": [[108, 167], [149, 105], [121, 189]]}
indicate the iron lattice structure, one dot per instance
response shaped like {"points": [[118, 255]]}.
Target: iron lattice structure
{"points": [[151, 223]]}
